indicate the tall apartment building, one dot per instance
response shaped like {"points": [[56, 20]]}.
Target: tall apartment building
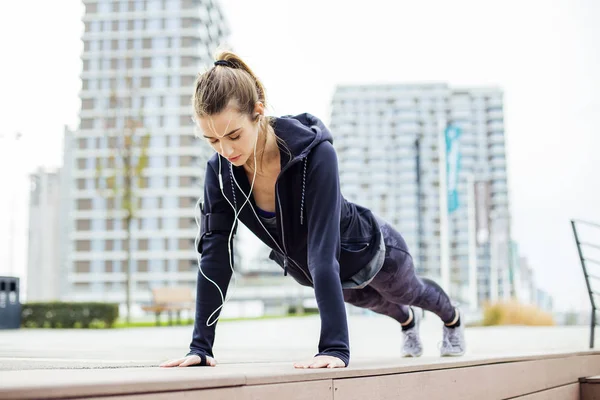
{"points": [[140, 61], [66, 208], [44, 246], [525, 281], [387, 136]]}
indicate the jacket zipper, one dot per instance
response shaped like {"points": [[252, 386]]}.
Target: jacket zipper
{"points": [[285, 262], [284, 250]]}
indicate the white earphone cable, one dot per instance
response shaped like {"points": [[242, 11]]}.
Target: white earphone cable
{"points": [[236, 214]]}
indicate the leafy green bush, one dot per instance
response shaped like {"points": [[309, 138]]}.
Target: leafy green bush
{"points": [[69, 315]]}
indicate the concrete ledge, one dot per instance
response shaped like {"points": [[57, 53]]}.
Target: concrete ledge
{"points": [[531, 377], [567, 392], [590, 388]]}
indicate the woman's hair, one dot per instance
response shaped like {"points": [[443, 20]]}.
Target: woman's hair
{"points": [[221, 84], [231, 84]]}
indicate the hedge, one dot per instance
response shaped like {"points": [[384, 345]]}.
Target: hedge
{"points": [[69, 315], [514, 313]]}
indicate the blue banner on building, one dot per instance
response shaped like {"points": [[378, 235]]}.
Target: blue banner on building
{"points": [[452, 165]]}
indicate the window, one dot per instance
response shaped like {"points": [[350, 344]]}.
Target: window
{"points": [[151, 102], [149, 223], [97, 245], [87, 123], [149, 202], [153, 24], [175, 63], [160, 62], [98, 224], [83, 224], [142, 266], [172, 23], [184, 266], [82, 267], [158, 141], [171, 122], [117, 267], [82, 245], [156, 244], [139, 5], [153, 5], [170, 202], [159, 82], [157, 265], [82, 286], [104, 7], [187, 81], [91, 8]]}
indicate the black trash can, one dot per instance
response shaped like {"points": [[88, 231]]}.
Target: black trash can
{"points": [[10, 305]]}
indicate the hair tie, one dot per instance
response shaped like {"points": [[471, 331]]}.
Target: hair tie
{"points": [[224, 63]]}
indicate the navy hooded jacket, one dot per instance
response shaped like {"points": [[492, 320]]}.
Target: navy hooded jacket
{"points": [[322, 240]]}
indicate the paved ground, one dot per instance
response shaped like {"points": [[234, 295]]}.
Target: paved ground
{"points": [[290, 339]]}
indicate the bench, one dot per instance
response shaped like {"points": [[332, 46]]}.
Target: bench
{"points": [[170, 299], [526, 377]]}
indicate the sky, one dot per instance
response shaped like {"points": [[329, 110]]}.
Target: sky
{"points": [[542, 54]]}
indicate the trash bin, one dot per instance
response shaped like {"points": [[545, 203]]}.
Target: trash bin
{"points": [[10, 306]]}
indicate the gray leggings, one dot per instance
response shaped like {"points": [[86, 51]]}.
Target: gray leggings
{"points": [[396, 286]]}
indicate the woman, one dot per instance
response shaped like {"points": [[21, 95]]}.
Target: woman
{"points": [[279, 176]]}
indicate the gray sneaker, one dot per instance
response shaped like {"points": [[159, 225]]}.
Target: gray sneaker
{"points": [[454, 341], [412, 346]]}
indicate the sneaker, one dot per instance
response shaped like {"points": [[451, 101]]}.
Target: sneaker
{"points": [[453, 343], [412, 346]]}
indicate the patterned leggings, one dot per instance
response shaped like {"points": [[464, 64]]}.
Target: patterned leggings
{"points": [[396, 286]]}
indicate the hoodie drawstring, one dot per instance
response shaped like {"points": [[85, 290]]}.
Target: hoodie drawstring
{"points": [[303, 190], [232, 188]]}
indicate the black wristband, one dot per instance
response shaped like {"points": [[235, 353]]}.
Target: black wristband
{"points": [[203, 359]]}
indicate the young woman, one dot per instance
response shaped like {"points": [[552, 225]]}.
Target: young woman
{"points": [[279, 177]]}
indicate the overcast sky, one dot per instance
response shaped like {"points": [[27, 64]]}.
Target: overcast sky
{"points": [[543, 54]]}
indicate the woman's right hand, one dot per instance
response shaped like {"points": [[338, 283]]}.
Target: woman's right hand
{"points": [[188, 361]]}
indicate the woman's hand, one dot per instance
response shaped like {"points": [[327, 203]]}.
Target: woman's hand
{"points": [[188, 361], [322, 362]]}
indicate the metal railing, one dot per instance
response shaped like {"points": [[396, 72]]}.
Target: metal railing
{"points": [[590, 278]]}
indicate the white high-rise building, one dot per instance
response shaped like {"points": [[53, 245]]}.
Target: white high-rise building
{"points": [[49, 226], [140, 61], [387, 139], [44, 247]]}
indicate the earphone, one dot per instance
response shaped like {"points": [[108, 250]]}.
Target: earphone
{"points": [[236, 215]]}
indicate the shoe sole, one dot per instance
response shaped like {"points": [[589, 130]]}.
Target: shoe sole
{"points": [[412, 355], [453, 354]]}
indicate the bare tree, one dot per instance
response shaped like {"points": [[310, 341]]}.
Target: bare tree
{"points": [[120, 175]]}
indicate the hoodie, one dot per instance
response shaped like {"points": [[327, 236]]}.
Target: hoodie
{"points": [[323, 240]]}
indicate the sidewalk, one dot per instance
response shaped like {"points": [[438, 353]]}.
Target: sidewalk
{"points": [[265, 341]]}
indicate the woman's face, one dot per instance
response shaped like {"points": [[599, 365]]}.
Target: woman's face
{"points": [[232, 134]]}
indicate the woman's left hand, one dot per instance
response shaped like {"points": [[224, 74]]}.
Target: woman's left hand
{"points": [[321, 362]]}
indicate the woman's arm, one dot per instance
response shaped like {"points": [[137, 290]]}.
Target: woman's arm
{"points": [[215, 265], [323, 206]]}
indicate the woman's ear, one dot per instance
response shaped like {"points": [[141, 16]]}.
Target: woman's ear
{"points": [[259, 108]]}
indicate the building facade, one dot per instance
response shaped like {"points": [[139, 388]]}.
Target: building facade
{"points": [[388, 142], [140, 61], [44, 245]]}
